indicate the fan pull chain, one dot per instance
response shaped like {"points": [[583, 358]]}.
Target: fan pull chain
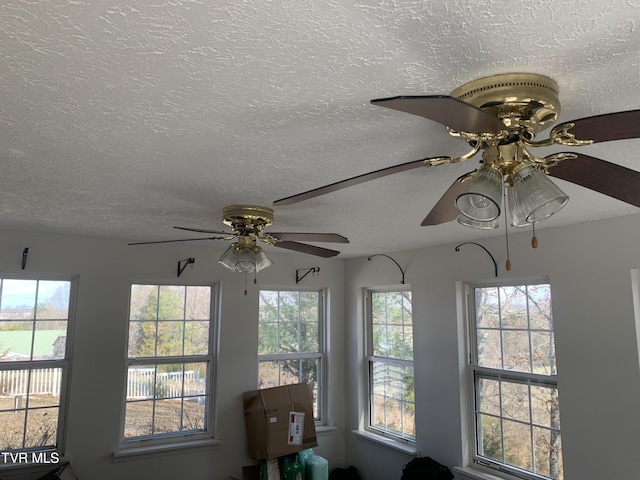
{"points": [[534, 239], [506, 231], [245, 283]]}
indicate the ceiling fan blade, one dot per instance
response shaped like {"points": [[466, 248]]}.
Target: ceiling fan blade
{"points": [[605, 177], [202, 230], [310, 249], [448, 111], [310, 237], [605, 128], [350, 182], [181, 240], [445, 210]]}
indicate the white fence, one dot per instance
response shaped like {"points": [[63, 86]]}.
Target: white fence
{"points": [[140, 383], [43, 381]]}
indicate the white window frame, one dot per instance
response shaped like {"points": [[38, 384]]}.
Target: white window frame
{"points": [[321, 356], [56, 452], [476, 371], [370, 359], [153, 442]]}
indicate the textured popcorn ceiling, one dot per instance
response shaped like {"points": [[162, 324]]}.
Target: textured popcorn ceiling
{"points": [[123, 118]]}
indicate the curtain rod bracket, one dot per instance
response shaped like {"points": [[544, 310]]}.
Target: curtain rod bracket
{"points": [[182, 264], [383, 255], [495, 265], [25, 252], [306, 271]]}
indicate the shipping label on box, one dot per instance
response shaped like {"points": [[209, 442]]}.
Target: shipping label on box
{"points": [[296, 428]]}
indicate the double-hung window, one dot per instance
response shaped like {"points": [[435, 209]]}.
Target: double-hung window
{"points": [[36, 324], [389, 350], [291, 349], [513, 373], [170, 363]]}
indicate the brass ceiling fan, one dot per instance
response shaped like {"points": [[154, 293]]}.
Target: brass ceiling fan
{"points": [[248, 223], [499, 117]]}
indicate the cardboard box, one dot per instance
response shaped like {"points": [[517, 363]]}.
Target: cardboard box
{"points": [[279, 421]]}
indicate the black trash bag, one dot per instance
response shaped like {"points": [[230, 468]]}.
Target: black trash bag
{"points": [[425, 468], [349, 473]]}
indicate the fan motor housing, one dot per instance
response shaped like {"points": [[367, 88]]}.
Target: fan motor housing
{"points": [[247, 218], [521, 100]]}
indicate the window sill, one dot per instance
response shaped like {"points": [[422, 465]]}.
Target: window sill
{"points": [[481, 473], [131, 453], [397, 445], [324, 430]]}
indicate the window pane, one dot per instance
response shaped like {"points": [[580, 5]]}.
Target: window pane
{"points": [[267, 338], [308, 306], [381, 344], [309, 337], [517, 445], [16, 340], [548, 452], [489, 348], [142, 339], [545, 406], [288, 338], [488, 392], [490, 437], [268, 307], [144, 302], [487, 308], [540, 307], [515, 344], [515, 401], [170, 339], [12, 421], [53, 299], [196, 338], [171, 303], [198, 305], [513, 301], [268, 374], [42, 427], [18, 299], [50, 340], [544, 355], [167, 416], [138, 419]]}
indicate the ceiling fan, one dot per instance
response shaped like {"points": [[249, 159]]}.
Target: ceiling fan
{"points": [[247, 224], [499, 117]]}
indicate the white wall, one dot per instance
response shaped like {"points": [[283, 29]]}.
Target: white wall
{"points": [[106, 269], [589, 267]]}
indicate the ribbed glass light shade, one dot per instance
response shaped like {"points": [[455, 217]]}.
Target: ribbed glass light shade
{"points": [[469, 222], [238, 259], [533, 197], [262, 260], [245, 258], [482, 198]]}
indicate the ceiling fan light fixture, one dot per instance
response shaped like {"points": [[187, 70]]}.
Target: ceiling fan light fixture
{"points": [[469, 222], [262, 260], [533, 196], [245, 258], [482, 198]]}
